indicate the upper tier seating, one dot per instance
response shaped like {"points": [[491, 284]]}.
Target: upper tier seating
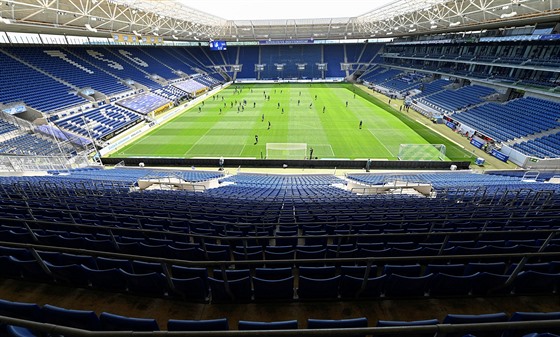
{"points": [[63, 64], [120, 62], [37, 90]]}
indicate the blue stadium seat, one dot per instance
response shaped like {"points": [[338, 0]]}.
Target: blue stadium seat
{"points": [[361, 322], [273, 273], [282, 289], [452, 285], [470, 319], [219, 324], [195, 288], [326, 288], [385, 323], [351, 287], [80, 319], [240, 290], [278, 325], [407, 286], [27, 311], [112, 322]]}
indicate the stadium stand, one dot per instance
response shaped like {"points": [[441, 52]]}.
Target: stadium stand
{"points": [[289, 58], [169, 60], [431, 88], [450, 101], [100, 122], [543, 147], [252, 236], [508, 121], [62, 64], [40, 92], [56, 133], [6, 127], [32, 144], [360, 227], [122, 66], [171, 93], [142, 57], [333, 56]]}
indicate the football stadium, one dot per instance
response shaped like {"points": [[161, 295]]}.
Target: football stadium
{"points": [[242, 168]]}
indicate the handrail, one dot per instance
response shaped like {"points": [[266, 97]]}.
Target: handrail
{"points": [[25, 223], [439, 329], [189, 263]]}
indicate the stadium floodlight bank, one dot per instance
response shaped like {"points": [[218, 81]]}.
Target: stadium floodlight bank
{"points": [[296, 151], [422, 152]]}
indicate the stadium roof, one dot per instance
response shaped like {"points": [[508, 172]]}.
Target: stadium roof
{"points": [[173, 20]]}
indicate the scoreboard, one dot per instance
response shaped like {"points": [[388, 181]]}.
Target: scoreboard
{"points": [[218, 45]]}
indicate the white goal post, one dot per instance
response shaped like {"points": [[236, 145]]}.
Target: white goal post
{"points": [[296, 151]]}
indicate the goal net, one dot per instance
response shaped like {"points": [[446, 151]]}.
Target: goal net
{"points": [[286, 150], [422, 152]]}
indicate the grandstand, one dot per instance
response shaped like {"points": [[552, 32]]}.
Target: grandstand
{"points": [[333, 244]]}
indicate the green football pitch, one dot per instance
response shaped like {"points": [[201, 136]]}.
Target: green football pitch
{"points": [[326, 117]]}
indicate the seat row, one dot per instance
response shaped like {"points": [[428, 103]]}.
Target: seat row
{"points": [[153, 279], [88, 320]]}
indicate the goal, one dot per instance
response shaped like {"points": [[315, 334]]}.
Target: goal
{"points": [[286, 150], [422, 152]]}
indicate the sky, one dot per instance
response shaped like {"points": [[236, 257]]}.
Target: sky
{"points": [[284, 9]]}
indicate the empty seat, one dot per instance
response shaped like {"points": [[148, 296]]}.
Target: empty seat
{"points": [[384, 323], [533, 282], [72, 274], [452, 285], [354, 287], [110, 263], [360, 322], [194, 288], [473, 319], [532, 316], [219, 324], [232, 274], [318, 288], [240, 290], [112, 322], [112, 279], [279, 325], [27, 311], [403, 270], [449, 269], [282, 289], [489, 267], [80, 319], [273, 273], [317, 272], [153, 284], [407, 286]]}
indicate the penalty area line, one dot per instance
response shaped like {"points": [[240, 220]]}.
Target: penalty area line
{"points": [[380, 142]]}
